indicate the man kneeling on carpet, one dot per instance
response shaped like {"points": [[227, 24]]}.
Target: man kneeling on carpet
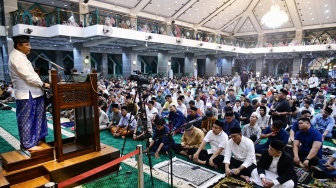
{"points": [[161, 141], [275, 168], [191, 138], [126, 120], [218, 140], [239, 155]]}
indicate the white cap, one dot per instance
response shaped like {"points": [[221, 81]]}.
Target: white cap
{"points": [[150, 116], [255, 114], [293, 97], [132, 93], [208, 105], [332, 96]]}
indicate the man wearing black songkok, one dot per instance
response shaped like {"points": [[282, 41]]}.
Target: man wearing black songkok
{"points": [[275, 168]]}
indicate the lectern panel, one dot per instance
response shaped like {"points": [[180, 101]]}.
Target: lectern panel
{"points": [[74, 95]]}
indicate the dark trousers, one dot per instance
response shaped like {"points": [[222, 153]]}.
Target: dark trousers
{"points": [[178, 148], [312, 162], [313, 91], [156, 145], [234, 163], [243, 86], [204, 156]]}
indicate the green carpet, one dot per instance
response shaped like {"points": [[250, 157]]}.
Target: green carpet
{"points": [[128, 177], [5, 146], [9, 123]]}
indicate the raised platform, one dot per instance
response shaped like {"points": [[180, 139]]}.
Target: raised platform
{"points": [[39, 174], [18, 159]]}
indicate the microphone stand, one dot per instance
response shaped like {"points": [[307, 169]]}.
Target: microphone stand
{"points": [[144, 123], [59, 67], [170, 135]]}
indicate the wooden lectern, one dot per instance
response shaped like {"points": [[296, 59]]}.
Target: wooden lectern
{"points": [[82, 97], [75, 155]]}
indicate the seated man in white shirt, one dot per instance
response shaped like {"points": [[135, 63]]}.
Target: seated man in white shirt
{"points": [[150, 109], [275, 168], [306, 106], [126, 124], [103, 120], [264, 119], [181, 106], [239, 155], [218, 140]]}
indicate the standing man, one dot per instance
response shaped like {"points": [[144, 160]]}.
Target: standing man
{"points": [[313, 83], [282, 109], [28, 86], [244, 80]]}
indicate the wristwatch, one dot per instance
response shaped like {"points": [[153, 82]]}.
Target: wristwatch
{"points": [[43, 84]]}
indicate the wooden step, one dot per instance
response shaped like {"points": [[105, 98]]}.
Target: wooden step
{"points": [[36, 182], [18, 159], [3, 182]]}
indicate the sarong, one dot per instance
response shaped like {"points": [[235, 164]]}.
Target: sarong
{"points": [[32, 122]]}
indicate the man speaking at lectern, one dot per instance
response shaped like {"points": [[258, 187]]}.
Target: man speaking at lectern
{"points": [[28, 87]]}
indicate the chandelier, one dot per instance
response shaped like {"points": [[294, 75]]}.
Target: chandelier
{"points": [[275, 18]]}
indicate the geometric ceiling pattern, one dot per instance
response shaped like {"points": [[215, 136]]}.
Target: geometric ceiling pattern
{"points": [[247, 27], [242, 17]]}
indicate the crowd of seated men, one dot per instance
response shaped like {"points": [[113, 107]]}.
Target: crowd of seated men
{"points": [[257, 137]]}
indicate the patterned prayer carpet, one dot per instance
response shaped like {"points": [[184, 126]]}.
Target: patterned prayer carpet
{"points": [[230, 182], [189, 172]]}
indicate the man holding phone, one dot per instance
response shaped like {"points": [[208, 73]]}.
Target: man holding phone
{"points": [[327, 168]]}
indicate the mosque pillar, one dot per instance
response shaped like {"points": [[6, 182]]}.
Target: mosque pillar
{"points": [[164, 63], [104, 65], [130, 61], [296, 66], [261, 39], [190, 64], [7, 45], [299, 36], [59, 60], [226, 66], [259, 65], [210, 64], [81, 56]]}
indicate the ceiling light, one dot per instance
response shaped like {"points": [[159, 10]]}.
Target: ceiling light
{"points": [[327, 16], [312, 18], [275, 17], [325, 5], [327, 11], [65, 5]]}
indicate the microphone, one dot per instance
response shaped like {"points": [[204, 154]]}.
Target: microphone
{"points": [[196, 120], [49, 61]]}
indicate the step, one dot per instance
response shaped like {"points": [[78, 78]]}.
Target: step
{"points": [[18, 159], [36, 182], [3, 182]]}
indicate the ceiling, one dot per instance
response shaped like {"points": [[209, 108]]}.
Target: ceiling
{"points": [[241, 18], [226, 16]]}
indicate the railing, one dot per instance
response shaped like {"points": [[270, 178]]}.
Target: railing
{"points": [[102, 17], [56, 17]]}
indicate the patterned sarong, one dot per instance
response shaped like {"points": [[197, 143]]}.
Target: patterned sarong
{"points": [[31, 119]]}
